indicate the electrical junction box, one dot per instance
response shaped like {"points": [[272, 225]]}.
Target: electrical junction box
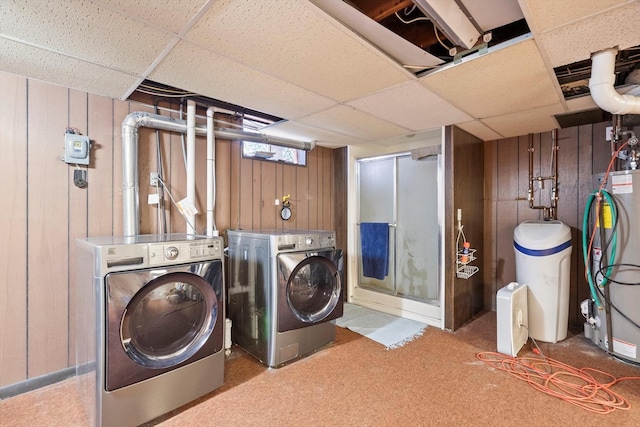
{"points": [[76, 149], [512, 318]]}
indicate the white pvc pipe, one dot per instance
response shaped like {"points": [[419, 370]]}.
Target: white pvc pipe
{"points": [[211, 173], [601, 85], [191, 164]]}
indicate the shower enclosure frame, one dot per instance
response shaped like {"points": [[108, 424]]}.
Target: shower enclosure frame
{"points": [[430, 311]]}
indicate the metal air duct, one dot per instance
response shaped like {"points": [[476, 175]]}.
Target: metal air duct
{"points": [[135, 120]]}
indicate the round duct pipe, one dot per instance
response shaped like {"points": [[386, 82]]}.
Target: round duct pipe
{"points": [[601, 85], [265, 139], [137, 119]]}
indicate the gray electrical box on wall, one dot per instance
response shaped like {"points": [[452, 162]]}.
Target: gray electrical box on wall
{"points": [[76, 149]]}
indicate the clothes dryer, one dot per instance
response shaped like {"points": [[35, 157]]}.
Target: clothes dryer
{"points": [[285, 292], [150, 324]]}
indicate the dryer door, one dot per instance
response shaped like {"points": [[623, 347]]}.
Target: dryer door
{"points": [[159, 319], [310, 288], [168, 320]]}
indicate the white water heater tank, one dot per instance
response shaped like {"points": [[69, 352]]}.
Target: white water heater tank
{"points": [[543, 261]]}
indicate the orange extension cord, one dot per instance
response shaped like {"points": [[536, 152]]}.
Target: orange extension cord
{"points": [[577, 386]]}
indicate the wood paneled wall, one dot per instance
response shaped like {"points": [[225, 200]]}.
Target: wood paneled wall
{"points": [[582, 153], [255, 185], [13, 231], [463, 172], [42, 212]]}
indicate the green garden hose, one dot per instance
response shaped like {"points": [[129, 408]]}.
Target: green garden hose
{"points": [[585, 243]]}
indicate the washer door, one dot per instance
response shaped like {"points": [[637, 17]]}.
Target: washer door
{"points": [[168, 320], [310, 284]]}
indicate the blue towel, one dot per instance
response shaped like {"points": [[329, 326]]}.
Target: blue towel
{"points": [[374, 238]]}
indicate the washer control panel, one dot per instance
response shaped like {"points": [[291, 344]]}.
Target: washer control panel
{"points": [[123, 253], [184, 251]]}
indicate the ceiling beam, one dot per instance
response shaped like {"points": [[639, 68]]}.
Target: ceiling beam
{"points": [[380, 9]]}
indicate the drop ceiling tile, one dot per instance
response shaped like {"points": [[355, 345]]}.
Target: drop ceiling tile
{"points": [[35, 63], [301, 131], [192, 68], [581, 103], [484, 12], [398, 48], [413, 140], [524, 122], [502, 81], [299, 43], [165, 14], [353, 123], [84, 30], [546, 15], [412, 106], [576, 42], [479, 130]]}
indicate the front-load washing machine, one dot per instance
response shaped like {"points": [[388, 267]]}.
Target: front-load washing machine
{"points": [[149, 324], [285, 292]]}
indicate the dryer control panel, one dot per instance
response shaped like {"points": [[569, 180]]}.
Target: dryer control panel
{"points": [[303, 242]]}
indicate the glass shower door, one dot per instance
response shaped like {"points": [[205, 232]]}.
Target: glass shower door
{"points": [[377, 191], [403, 193], [418, 230]]}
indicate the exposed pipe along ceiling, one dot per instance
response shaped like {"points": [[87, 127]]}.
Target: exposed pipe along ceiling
{"points": [[604, 94], [130, 179], [602, 83]]}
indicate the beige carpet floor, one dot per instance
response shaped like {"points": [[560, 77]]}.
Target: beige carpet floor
{"points": [[434, 380]]}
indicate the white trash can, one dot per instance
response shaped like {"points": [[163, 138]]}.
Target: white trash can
{"points": [[543, 261]]}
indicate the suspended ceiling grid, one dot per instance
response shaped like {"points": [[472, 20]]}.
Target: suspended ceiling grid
{"points": [[569, 31], [583, 25], [291, 59], [497, 85]]}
